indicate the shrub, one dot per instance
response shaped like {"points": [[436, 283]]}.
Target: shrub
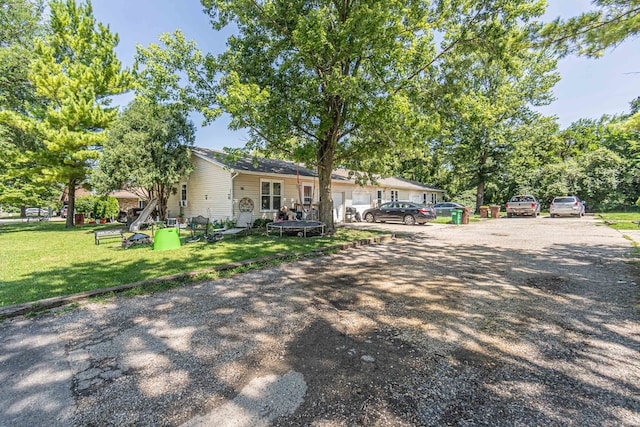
{"points": [[106, 207], [261, 222], [85, 204]]}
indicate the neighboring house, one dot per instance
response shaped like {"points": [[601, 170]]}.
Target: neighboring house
{"points": [[221, 189], [126, 199]]}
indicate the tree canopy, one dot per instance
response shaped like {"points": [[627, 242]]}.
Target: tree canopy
{"points": [[595, 31], [74, 72], [19, 28], [147, 152], [330, 83]]}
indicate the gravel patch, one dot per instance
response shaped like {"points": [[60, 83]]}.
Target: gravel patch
{"points": [[506, 322]]}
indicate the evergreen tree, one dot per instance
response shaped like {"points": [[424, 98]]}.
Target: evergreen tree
{"points": [[75, 71]]}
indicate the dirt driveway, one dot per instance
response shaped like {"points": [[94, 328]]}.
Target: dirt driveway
{"points": [[506, 322]]}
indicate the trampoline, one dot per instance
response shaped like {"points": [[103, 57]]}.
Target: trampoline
{"points": [[300, 228]]}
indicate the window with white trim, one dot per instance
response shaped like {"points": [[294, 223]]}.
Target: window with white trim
{"points": [[379, 197], [394, 196], [270, 195], [183, 192], [434, 198], [307, 194], [424, 198]]}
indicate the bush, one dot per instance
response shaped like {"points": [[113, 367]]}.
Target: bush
{"points": [[85, 204], [106, 207], [261, 222]]}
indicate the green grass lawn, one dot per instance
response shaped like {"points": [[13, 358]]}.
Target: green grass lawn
{"points": [[619, 216], [620, 220], [43, 259]]}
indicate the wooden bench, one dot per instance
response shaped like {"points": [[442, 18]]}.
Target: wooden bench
{"points": [[108, 234]]}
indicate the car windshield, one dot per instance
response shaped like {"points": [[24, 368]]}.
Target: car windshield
{"points": [[564, 200]]}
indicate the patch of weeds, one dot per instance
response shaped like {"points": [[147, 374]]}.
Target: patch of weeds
{"points": [[201, 277], [323, 252], [66, 308], [103, 298], [36, 313]]}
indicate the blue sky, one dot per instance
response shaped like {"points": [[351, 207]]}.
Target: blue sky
{"points": [[589, 87]]}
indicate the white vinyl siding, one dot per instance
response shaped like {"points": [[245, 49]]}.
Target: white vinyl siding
{"points": [[361, 199], [208, 192]]}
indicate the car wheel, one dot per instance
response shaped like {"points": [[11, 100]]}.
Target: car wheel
{"points": [[369, 217], [409, 220]]}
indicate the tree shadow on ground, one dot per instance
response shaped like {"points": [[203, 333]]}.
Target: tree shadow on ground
{"points": [[383, 336]]}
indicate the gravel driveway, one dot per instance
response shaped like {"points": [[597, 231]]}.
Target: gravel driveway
{"points": [[504, 322]]}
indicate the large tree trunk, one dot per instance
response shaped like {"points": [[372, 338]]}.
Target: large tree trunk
{"points": [[481, 177], [71, 203], [479, 195], [325, 167], [163, 195]]}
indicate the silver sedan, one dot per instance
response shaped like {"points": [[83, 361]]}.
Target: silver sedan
{"points": [[567, 205]]}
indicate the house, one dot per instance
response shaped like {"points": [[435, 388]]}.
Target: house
{"points": [[220, 189], [126, 199]]}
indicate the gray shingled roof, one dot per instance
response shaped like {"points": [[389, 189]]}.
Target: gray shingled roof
{"points": [[247, 164], [284, 167]]}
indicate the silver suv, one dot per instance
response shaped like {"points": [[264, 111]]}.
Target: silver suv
{"points": [[566, 205]]}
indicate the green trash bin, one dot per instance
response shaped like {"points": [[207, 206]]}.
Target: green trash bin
{"points": [[166, 238], [456, 216]]}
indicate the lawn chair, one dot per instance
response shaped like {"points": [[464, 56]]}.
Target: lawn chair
{"points": [[201, 229], [243, 224]]}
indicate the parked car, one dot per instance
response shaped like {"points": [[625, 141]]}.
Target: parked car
{"points": [[408, 212], [36, 211], [523, 204], [63, 211], [567, 205], [445, 208]]}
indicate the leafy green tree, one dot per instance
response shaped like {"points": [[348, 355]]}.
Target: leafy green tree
{"points": [[601, 177], [19, 28], [593, 32], [75, 71], [85, 204], [147, 152], [329, 83], [493, 110], [106, 207]]}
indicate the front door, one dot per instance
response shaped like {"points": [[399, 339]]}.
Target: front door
{"points": [[338, 207]]}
